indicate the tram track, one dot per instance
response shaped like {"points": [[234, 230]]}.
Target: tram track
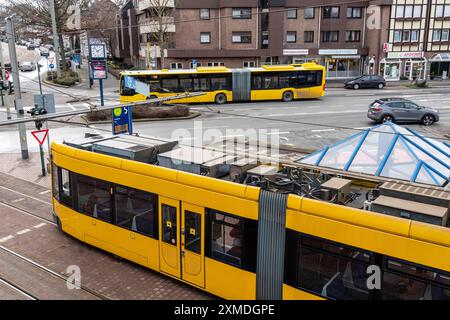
{"points": [[47, 271], [17, 289]]}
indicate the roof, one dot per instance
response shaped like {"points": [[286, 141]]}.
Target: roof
{"points": [[390, 151]]}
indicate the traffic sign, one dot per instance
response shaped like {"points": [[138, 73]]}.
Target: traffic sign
{"points": [[51, 66], [122, 120], [51, 59], [40, 135]]}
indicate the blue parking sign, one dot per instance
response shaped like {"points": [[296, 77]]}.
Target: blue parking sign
{"points": [[122, 120]]}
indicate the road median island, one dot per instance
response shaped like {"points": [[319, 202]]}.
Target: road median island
{"points": [[144, 113]]}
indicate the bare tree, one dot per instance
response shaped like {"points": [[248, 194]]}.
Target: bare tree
{"points": [[35, 14], [162, 22]]}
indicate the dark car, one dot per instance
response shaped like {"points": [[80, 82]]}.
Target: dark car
{"points": [[401, 110], [366, 82]]}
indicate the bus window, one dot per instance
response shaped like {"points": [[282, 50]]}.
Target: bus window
{"points": [[201, 83], [284, 80], [220, 82], [185, 83], [170, 84], [270, 81], [94, 198], [137, 210]]}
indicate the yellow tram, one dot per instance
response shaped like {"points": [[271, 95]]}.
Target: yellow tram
{"points": [[221, 236]]}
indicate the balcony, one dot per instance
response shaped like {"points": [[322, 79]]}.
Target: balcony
{"points": [[147, 4], [149, 26]]}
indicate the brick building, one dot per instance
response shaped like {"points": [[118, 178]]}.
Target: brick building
{"points": [[337, 34]]}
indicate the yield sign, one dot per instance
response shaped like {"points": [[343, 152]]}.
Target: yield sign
{"points": [[40, 135]]}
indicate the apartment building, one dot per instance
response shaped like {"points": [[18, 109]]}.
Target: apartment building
{"points": [[127, 34], [419, 43], [234, 33]]}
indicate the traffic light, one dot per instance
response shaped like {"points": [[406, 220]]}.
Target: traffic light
{"points": [[37, 111]]}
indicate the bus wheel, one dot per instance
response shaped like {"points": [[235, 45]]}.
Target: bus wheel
{"points": [[288, 96], [221, 98]]}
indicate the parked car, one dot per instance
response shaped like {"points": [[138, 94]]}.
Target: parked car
{"points": [[401, 110], [31, 47], [27, 66], [44, 51], [365, 82]]}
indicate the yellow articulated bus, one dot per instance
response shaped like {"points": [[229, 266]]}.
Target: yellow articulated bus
{"points": [[222, 85], [238, 241]]}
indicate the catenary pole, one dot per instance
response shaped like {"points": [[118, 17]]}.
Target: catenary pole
{"points": [[17, 91], [55, 38]]}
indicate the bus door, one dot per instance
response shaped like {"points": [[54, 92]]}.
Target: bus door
{"points": [[169, 236], [193, 244]]}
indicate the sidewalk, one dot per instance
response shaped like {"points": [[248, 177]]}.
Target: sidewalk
{"points": [[29, 170], [394, 84]]}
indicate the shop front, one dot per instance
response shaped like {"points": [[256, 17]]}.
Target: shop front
{"points": [[440, 66], [342, 64], [403, 66]]}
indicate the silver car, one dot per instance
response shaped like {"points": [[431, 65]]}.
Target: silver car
{"points": [[27, 66], [401, 110]]}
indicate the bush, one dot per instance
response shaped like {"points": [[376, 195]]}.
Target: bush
{"points": [[144, 112], [68, 78]]}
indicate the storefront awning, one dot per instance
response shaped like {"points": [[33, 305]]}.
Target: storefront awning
{"points": [[384, 60], [440, 57]]}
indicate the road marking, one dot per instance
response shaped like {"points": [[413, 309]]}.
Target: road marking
{"points": [[363, 128], [18, 200], [2, 240], [273, 133], [40, 225], [23, 231], [316, 136], [323, 130], [22, 194], [45, 192]]}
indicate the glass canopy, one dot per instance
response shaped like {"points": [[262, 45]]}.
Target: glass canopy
{"points": [[391, 151]]}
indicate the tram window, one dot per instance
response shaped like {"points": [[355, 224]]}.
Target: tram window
{"points": [[137, 210], [94, 198], [55, 181], [169, 224], [328, 269], [401, 281], [193, 240], [66, 188], [226, 241]]}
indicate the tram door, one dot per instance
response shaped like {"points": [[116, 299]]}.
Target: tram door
{"points": [[169, 236], [193, 244], [182, 240]]}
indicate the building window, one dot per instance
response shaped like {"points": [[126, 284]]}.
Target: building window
{"points": [[409, 11], [176, 65], [94, 198], [242, 13], [397, 36], [309, 36], [330, 12], [309, 13], [414, 35], [354, 12], [291, 37], [205, 37], [442, 11], [137, 210], [198, 64], [440, 35], [406, 36], [249, 64], [242, 37], [352, 36], [204, 14], [216, 64], [330, 36], [292, 13]]}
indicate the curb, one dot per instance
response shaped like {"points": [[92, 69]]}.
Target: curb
{"points": [[193, 115], [78, 100], [56, 85]]}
